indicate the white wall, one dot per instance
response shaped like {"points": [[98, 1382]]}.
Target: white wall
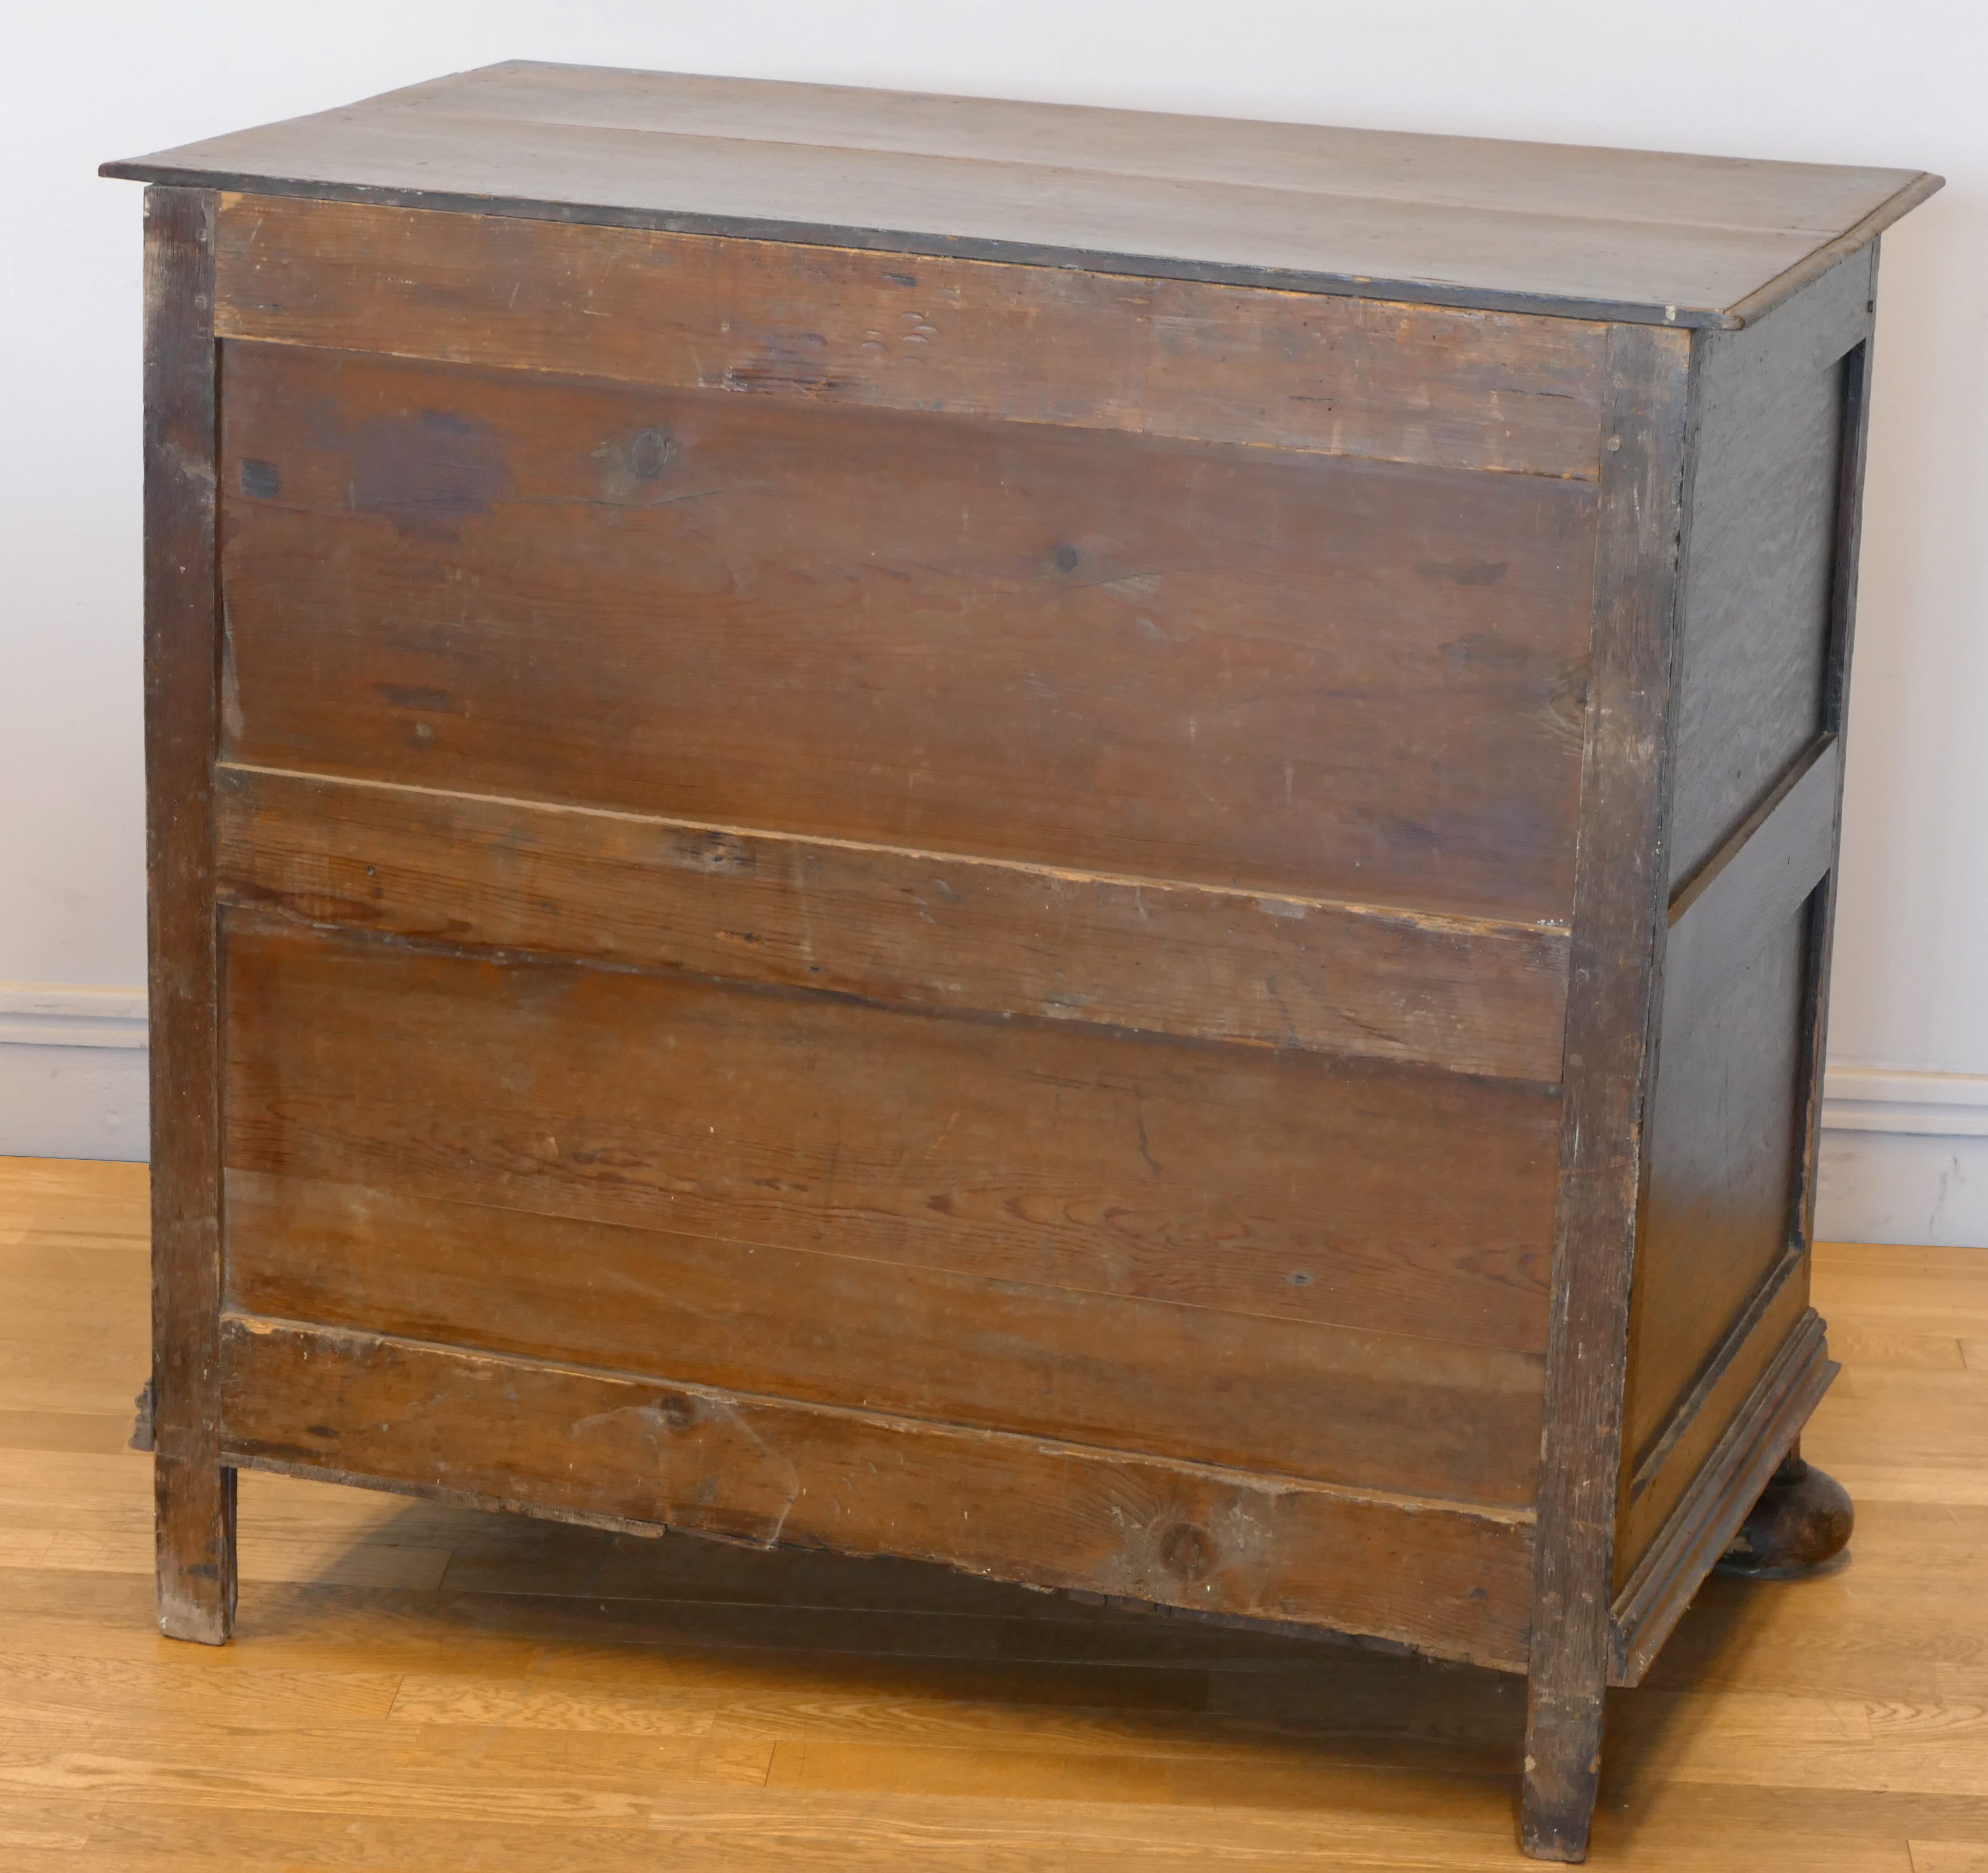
{"points": [[1822, 80]]}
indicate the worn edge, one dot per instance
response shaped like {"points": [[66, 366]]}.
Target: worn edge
{"points": [[194, 1492], [1784, 285], [239, 1320], [894, 241], [1856, 364], [1615, 993], [1701, 1527]]}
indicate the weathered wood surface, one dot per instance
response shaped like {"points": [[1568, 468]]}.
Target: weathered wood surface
{"points": [[911, 928], [539, 1434], [195, 1494], [1615, 986], [1384, 1198], [1339, 377], [1225, 666], [1291, 1398], [1666, 239]]}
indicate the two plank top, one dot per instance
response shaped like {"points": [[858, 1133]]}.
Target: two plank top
{"points": [[1538, 228]]}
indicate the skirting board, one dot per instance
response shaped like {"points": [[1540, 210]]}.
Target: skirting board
{"points": [[72, 1071], [1905, 1155]]}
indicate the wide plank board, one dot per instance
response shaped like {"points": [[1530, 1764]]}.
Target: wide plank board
{"points": [[1287, 1397], [753, 1470], [1382, 1198], [1343, 377], [918, 929], [1639, 235], [1229, 666]]}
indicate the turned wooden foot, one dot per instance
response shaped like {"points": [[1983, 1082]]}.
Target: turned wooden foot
{"points": [[1803, 1519]]}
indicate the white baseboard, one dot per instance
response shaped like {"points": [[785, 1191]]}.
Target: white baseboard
{"points": [[73, 1064], [1905, 1158], [1905, 1153]]}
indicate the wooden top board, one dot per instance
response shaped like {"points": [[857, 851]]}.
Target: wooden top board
{"points": [[1586, 233]]}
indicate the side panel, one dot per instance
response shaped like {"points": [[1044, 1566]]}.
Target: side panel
{"points": [[1760, 577], [1722, 1271]]}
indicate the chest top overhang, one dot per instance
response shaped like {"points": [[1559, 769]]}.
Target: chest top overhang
{"points": [[1628, 234]]}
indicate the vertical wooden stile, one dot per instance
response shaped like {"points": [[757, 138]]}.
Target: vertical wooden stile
{"points": [[1613, 1005], [195, 1492], [1856, 369]]}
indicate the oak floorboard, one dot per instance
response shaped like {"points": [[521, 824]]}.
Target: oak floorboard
{"points": [[418, 1689]]}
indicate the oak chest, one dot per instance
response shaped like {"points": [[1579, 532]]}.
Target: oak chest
{"points": [[1096, 845]]}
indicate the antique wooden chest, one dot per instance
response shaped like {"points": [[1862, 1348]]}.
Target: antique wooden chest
{"points": [[1097, 846]]}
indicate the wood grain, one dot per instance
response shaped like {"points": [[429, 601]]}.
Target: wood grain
{"points": [[1289, 1397], [523, 1430], [1228, 667], [1759, 580], [1381, 1198], [1612, 1015], [195, 1494], [1666, 239], [833, 327], [910, 928]]}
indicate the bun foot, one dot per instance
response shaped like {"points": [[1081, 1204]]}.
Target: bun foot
{"points": [[1803, 1519]]}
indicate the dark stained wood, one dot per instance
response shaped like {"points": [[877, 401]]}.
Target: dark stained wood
{"points": [[1231, 667], [1770, 571], [1727, 1486], [1389, 1199], [534, 1433], [1667, 1459], [195, 1492], [1759, 580], [1660, 238], [1283, 1397], [1836, 710], [913, 929], [1725, 1147], [1612, 1006], [1341, 377]]}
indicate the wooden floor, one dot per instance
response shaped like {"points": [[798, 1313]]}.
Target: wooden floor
{"points": [[424, 1690]]}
